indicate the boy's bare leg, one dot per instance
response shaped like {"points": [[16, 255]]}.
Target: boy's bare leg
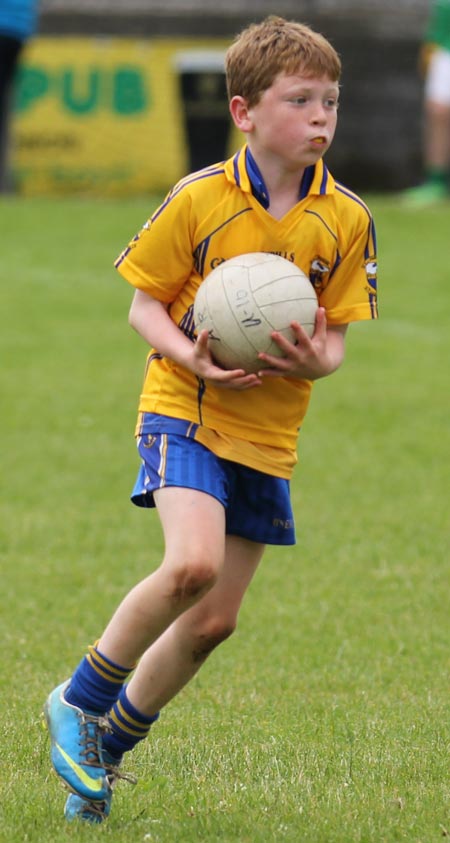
{"points": [[437, 136], [194, 532], [178, 654]]}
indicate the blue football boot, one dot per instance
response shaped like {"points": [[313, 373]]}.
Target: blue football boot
{"points": [[77, 808], [76, 751]]}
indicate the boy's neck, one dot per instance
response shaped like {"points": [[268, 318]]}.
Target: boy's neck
{"points": [[280, 188], [282, 201]]}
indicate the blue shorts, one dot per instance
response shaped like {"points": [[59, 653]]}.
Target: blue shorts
{"points": [[257, 505]]}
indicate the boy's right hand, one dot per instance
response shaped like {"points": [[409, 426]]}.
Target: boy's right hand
{"points": [[202, 364], [150, 318]]}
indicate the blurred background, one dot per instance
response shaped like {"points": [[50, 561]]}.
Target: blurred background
{"points": [[122, 97]]}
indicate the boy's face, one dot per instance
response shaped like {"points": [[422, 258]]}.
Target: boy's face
{"points": [[294, 120]]}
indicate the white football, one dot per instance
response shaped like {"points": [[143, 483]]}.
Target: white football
{"points": [[247, 297]]}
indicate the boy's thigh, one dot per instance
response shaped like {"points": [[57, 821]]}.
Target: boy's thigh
{"points": [[193, 524]]}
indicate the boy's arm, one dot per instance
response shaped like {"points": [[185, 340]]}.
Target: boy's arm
{"points": [[311, 357], [149, 317]]}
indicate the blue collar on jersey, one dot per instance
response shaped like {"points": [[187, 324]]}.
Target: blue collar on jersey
{"points": [[259, 188]]}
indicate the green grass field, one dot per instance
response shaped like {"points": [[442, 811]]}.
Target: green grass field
{"points": [[325, 719]]}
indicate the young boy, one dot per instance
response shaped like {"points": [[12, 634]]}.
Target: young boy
{"points": [[216, 460]]}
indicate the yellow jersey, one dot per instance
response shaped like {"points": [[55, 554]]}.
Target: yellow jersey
{"points": [[215, 214]]}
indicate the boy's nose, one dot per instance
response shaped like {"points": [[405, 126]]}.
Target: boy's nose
{"points": [[318, 114]]}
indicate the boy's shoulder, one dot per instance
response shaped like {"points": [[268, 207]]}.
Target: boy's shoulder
{"points": [[201, 182], [347, 205], [348, 196], [342, 212], [204, 192]]}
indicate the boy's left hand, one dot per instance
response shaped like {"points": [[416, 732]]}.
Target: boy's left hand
{"points": [[310, 358]]}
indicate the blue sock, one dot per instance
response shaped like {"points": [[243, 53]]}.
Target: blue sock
{"points": [[97, 682], [129, 726]]}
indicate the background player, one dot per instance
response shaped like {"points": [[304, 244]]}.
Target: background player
{"points": [[435, 64], [216, 461]]}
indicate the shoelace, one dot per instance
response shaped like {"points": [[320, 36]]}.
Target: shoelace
{"points": [[93, 728], [113, 773], [96, 809]]}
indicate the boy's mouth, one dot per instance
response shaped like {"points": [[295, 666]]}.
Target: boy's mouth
{"points": [[319, 140]]}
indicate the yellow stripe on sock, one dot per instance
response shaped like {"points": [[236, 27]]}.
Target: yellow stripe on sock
{"points": [[118, 680], [100, 664], [138, 733], [130, 719]]}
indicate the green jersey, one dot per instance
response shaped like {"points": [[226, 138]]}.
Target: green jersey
{"points": [[438, 30]]}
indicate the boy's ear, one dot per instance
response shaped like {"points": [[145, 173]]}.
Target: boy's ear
{"points": [[239, 111]]}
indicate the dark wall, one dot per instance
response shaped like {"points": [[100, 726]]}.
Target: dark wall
{"points": [[378, 143]]}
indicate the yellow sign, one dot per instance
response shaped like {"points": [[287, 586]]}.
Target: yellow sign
{"points": [[114, 116]]}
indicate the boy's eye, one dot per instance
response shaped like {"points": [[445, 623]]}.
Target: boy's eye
{"points": [[332, 102]]}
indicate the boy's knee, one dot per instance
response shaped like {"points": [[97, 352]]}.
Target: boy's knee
{"points": [[210, 635], [191, 580]]}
